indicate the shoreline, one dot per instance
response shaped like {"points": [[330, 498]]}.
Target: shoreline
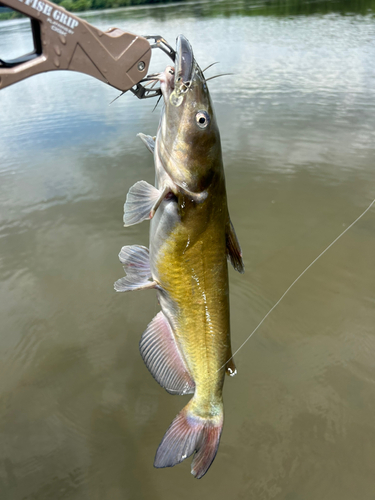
{"points": [[10, 14]]}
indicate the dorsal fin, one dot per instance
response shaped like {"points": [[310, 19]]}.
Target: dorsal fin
{"points": [[234, 252]]}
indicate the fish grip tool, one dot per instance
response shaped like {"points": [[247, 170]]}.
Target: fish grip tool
{"points": [[63, 41], [159, 43]]}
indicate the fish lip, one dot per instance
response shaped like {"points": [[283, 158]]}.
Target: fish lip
{"points": [[184, 62]]}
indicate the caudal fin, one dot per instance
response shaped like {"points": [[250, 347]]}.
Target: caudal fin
{"points": [[187, 434]]}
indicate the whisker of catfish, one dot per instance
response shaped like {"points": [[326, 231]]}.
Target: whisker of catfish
{"points": [[122, 93], [157, 103], [149, 78], [209, 66], [217, 76], [151, 82]]}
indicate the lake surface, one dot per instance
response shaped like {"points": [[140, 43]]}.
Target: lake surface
{"points": [[80, 415]]}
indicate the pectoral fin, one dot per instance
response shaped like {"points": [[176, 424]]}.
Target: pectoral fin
{"points": [[137, 267], [234, 252], [148, 141], [163, 358], [156, 205], [141, 203]]}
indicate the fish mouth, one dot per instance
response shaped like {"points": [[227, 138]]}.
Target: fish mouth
{"points": [[184, 64], [176, 81]]}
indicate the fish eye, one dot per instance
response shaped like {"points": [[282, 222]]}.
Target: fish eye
{"points": [[202, 119]]}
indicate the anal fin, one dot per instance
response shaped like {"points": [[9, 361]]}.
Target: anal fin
{"points": [[163, 358], [234, 252], [136, 261]]}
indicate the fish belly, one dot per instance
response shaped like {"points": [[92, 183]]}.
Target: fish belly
{"points": [[192, 272]]}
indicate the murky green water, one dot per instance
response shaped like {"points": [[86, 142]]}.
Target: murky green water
{"points": [[80, 416]]}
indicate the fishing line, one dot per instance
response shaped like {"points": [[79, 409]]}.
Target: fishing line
{"points": [[294, 282]]}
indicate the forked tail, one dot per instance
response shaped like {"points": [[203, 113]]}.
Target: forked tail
{"points": [[189, 433]]}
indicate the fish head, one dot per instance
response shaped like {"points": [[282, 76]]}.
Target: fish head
{"points": [[188, 137]]}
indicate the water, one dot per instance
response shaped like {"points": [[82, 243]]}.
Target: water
{"points": [[80, 416]]}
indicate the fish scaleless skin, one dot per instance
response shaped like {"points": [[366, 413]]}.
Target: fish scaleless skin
{"points": [[191, 237]]}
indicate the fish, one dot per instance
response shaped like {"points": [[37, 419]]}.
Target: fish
{"points": [[186, 346]]}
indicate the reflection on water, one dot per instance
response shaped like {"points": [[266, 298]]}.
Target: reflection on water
{"points": [[80, 416]]}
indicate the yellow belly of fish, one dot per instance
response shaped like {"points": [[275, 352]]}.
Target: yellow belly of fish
{"points": [[195, 277]]}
